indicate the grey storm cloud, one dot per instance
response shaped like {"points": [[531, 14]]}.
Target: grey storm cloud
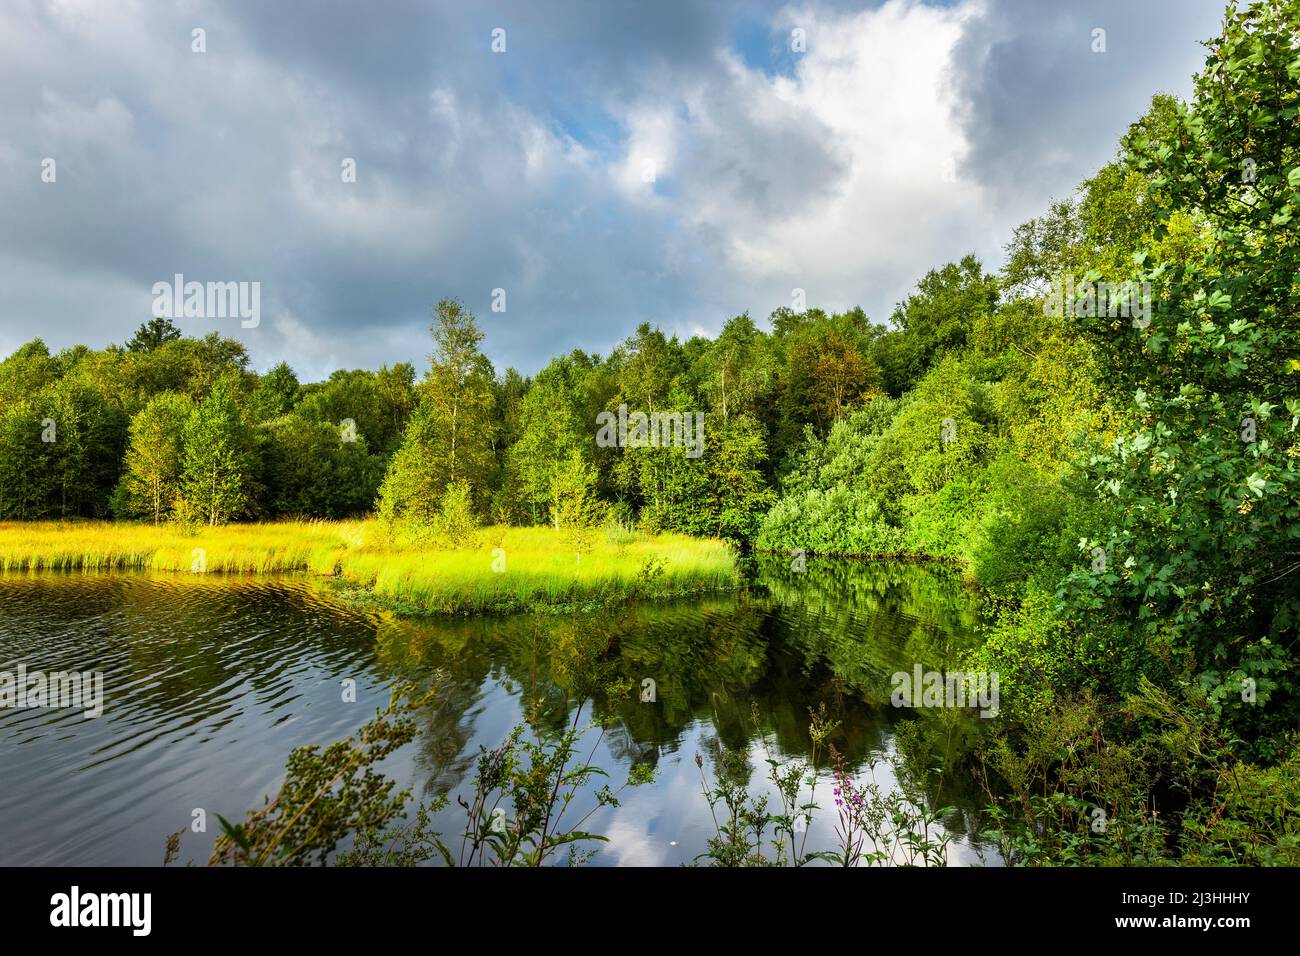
{"points": [[524, 170], [1042, 109]]}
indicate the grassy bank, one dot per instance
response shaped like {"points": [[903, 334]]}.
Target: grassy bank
{"points": [[501, 568]]}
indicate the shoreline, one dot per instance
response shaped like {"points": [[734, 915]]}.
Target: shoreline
{"points": [[497, 570]]}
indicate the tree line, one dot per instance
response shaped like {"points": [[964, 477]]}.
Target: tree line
{"points": [[174, 427]]}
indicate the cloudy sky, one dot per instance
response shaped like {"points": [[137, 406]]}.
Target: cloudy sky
{"points": [[617, 162]]}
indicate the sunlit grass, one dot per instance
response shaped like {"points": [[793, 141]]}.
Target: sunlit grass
{"points": [[534, 566]]}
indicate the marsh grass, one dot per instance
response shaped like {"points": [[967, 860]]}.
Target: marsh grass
{"points": [[497, 569]]}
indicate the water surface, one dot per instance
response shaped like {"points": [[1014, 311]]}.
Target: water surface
{"points": [[210, 682]]}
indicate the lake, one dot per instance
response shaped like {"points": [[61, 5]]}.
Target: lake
{"points": [[210, 681]]}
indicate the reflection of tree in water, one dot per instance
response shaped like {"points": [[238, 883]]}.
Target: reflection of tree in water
{"points": [[627, 749], [457, 657], [692, 652], [921, 591], [870, 619], [831, 636]]}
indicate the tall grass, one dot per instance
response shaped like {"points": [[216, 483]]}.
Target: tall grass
{"points": [[501, 568]]}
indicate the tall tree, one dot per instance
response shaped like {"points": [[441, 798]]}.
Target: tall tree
{"points": [[26, 476], [574, 507], [153, 457], [217, 464], [450, 438], [458, 388], [551, 429], [936, 320], [277, 392], [87, 436]]}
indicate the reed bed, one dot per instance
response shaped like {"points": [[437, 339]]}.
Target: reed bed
{"points": [[499, 568]]}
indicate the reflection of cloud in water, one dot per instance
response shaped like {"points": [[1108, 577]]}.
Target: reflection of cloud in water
{"points": [[642, 831]]}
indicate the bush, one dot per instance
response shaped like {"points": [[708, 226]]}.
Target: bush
{"points": [[455, 523], [1028, 534], [828, 522], [1034, 653]]}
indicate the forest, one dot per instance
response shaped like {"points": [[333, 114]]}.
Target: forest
{"points": [[1124, 490]]}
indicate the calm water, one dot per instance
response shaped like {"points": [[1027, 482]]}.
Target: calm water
{"points": [[210, 682]]}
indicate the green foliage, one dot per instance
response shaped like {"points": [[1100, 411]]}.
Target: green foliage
{"points": [[574, 508], [153, 458], [84, 457], [152, 334], [1155, 784], [377, 404], [317, 469], [1035, 654], [830, 522], [458, 389], [218, 460], [456, 521], [552, 430], [935, 321], [410, 492], [826, 368], [1203, 479], [26, 475], [448, 440], [1026, 537], [736, 492], [831, 497], [328, 795], [276, 393]]}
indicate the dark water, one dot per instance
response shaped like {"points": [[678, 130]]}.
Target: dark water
{"points": [[210, 682]]}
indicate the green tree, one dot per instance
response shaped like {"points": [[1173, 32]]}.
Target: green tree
{"points": [[152, 334], [449, 439], [738, 493], [1203, 477], [26, 476], [218, 460], [277, 392], [411, 492], [378, 404], [88, 436], [647, 365], [317, 469], [151, 479], [26, 372], [551, 432], [736, 373], [826, 369], [574, 506], [935, 320]]}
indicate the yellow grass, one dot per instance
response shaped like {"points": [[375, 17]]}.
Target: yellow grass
{"points": [[534, 566]]}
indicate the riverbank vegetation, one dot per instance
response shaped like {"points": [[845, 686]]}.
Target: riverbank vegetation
{"points": [[1121, 474], [483, 569]]}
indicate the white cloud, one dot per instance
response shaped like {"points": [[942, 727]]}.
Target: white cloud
{"points": [[650, 153], [838, 179]]}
